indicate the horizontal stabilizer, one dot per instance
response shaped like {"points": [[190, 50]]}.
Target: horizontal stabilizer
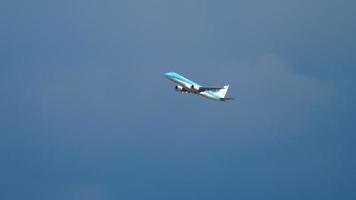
{"points": [[227, 98]]}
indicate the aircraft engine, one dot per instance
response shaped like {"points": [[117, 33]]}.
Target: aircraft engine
{"points": [[195, 88], [179, 88]]}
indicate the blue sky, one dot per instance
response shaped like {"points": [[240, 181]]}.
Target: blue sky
{"points": [[86, 112]]}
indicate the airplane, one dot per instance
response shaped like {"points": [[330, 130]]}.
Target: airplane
{"points": [[185, 85]]}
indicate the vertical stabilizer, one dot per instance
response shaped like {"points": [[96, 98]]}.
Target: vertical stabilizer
{"points": [[222, 92]]}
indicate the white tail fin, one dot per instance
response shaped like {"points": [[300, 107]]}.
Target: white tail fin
{"points": [[222, 92]]}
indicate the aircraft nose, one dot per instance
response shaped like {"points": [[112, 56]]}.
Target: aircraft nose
{"points": [[167, 74]]}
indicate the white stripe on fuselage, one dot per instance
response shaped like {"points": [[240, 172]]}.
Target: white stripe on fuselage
{"points": [[185, 85]]}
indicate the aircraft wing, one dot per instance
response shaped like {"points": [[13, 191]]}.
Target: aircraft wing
{"points": [[202, 89]]}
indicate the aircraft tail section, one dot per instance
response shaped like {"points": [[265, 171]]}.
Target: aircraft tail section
{"points": [[222, 92]]}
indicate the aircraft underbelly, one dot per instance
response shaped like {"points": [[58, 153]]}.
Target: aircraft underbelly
{"points": [[187, 87]]}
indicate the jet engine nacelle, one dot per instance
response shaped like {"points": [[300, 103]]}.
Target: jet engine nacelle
{"points": [[195, 88], [179, 88]]}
